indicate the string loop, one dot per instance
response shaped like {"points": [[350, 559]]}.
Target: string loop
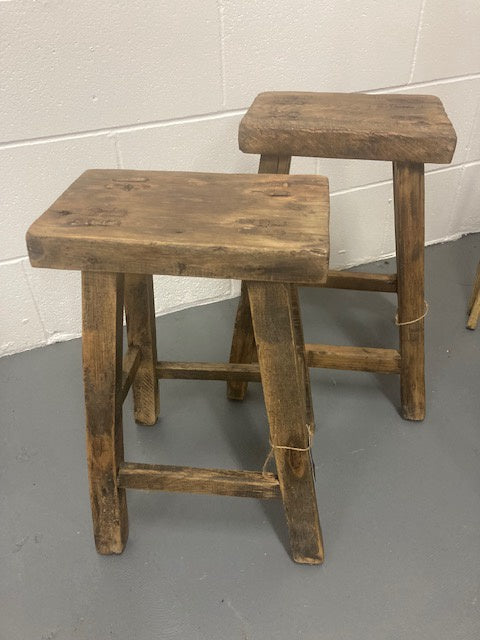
{"points": [[401, 324], [281, 446]]}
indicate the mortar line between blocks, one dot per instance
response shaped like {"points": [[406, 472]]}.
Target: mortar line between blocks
{"points": [[216, 115], [381, 183], [424, 83], [417, 40], [221, 15]]}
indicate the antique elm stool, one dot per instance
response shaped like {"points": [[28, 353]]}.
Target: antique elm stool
{"points": [[120, 227], [407, 130]]}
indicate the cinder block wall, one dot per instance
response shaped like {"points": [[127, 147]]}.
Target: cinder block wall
{"points": [[163, 84]]}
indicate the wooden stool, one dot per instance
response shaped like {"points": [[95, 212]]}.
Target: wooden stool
{"points": [[407, 130], [118, 228], [474, 303]]}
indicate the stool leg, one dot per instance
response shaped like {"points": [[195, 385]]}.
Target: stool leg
{"points": [[300, 344], [243, 344], [408, 185], [141, 332], [102, 295], [474, 303], [281, 357]]}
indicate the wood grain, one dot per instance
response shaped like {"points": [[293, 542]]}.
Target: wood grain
{"points": [[394, 127], [102, 299], [257, 227], [243, 346], [408, 187], [131, 362], [141, 333], [243, 342], [327, 356], [208, 371], [283, 382], [223, 482], [358, 281]]}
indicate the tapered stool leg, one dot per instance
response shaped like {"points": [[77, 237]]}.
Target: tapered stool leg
{"points": [[243, 344], [301, 356], [282, 366], [408, 184], [140, 313], [102, 295]]}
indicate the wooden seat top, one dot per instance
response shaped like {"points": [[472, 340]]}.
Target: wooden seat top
{"points": [[250, 227], [393, 127]]}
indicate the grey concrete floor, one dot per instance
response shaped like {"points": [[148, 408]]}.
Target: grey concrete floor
{"points": [[399, 502]]}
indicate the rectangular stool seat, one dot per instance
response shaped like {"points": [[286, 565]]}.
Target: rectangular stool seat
{"points": [[253, 227], [391, 127]]}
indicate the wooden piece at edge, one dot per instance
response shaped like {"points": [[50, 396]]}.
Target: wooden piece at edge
{"points": [[141, 332], [474, 303], [223, 482], [285, 400], [102, 299], [408, 187]]}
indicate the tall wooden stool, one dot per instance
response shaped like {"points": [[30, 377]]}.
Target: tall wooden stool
{"points": [[407, 130], [119, 228]]}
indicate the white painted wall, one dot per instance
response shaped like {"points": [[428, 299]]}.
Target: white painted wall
{"points": [[163, 84]]}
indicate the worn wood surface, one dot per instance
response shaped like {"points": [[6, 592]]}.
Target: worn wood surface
{"points": [[243, 342], [208, 371], [102, 297], [141, 333], [321, 356], [283, 381], [393, 127], [474, 303], [131, 362], [243, 346], [408, 186], [358, 280], [224, 482], [302, 365], [327, 356], [257, 227]]}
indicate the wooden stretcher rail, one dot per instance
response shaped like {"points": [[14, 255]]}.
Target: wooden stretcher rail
{"points": [[223, 482], [321, 356], [353, 358], [361, 281], [131, 362], [208, 371]]}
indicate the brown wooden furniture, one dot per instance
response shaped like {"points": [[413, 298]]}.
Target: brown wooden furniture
{"points": [[407, 130], [118, 228], [474, 303]]}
